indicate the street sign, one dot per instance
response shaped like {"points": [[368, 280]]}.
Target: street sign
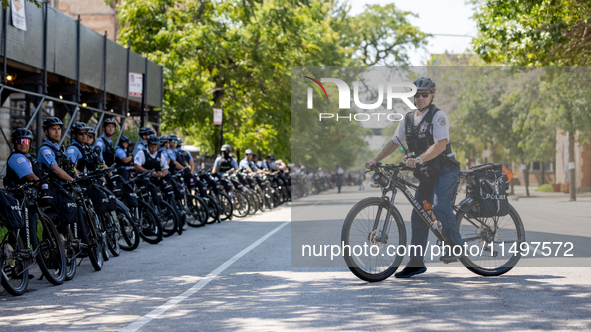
{"points": [[19, 18], [486, 153], [218, 116], [135, 84]]}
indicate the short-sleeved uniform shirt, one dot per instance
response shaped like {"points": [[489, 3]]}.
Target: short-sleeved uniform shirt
{"points": [[46, 156], [99, 142], [20, 164], [141, 145], [74, 154], [218, 162], [121, 153], [190, 156], [140, 159], [440, 128], [245, 163]]}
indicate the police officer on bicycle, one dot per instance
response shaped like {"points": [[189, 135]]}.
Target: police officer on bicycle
{"points": [[51, 158], [105, 142], [151, 158], [21, 167], [225, 162], [124, 157], [247, 162], [143, 143], [426, 130]]}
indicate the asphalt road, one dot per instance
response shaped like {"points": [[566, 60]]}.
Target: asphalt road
{"points": [[238, 275]]}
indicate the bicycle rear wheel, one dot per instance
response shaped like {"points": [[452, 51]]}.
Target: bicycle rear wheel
{"points": [[226, 206], [169, 220], [365, 226], [148, 223], [113, 233], [213, 209], [197, 211], [91, 236], [241, 205], [14, 270], [51, 254], [130, 234], [505, 233]]}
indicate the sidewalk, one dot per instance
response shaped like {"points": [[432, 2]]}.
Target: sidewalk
{"points": [[520, 193]]}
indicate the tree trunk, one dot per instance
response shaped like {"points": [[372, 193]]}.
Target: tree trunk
{"points": [[571, 161], [525, 175]]}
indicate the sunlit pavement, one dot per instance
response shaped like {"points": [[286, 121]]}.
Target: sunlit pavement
{"points": [[260, 291]]}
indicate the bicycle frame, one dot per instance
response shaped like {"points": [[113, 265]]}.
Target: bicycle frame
{"points": [[398, 183]]}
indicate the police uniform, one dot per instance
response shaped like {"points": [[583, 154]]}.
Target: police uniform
{"points": [[123, 168], [83, 156], [18, 166], [141, 146], [420, 132], [149, 161], [107, 150], [245, 163], [183, 157], [50, 154], [224, 164]]}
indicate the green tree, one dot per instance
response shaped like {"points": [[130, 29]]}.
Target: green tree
{"points": [[237, 55], [542, 33]]}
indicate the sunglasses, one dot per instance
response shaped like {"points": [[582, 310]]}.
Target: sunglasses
{"points": [[423, 94], [173, 141], [23, 141]]}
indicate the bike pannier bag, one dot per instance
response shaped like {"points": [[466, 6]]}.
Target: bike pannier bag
{"points": [[129, 196], [155, 192], [490, 184], [100, 199], [11, 210], [65, 203], [112, 205]]}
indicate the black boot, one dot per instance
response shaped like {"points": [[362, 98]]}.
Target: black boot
{"points": [[412, 268]]}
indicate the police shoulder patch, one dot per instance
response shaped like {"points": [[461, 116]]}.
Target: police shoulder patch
{"points": [[71, 150], [21, 160], [99, 143], [441, 121], [47, 151]]}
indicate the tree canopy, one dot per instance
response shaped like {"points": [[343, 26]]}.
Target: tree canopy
{"points": [[237, 55]]}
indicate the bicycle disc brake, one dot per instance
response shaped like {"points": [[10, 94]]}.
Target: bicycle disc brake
{"points": [[375, 238]]}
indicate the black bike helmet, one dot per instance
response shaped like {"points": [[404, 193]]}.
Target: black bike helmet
{"points": [[79, 127], [163, 140], [123, 139], [21, 133], [146, 131], [91, 130], [153, 139], [426, 84], [225, 147], [180, 142], [51, 121], [109, 121], [173, 137]]}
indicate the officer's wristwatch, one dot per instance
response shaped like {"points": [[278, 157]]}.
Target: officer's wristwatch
{"points": [[420, 160]]}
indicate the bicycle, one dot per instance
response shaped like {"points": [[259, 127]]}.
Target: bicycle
{"points": [[364, 223], [42, 245]]}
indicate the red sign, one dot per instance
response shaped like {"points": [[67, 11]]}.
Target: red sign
{"points": [[135, 84]]}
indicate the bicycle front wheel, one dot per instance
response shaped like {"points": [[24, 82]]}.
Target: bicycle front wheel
{"points": [[51, 254], [14, 270], [365, 226], [498, 240]]}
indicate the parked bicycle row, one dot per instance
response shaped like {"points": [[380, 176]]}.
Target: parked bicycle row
{"points": [[93, 200]]}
